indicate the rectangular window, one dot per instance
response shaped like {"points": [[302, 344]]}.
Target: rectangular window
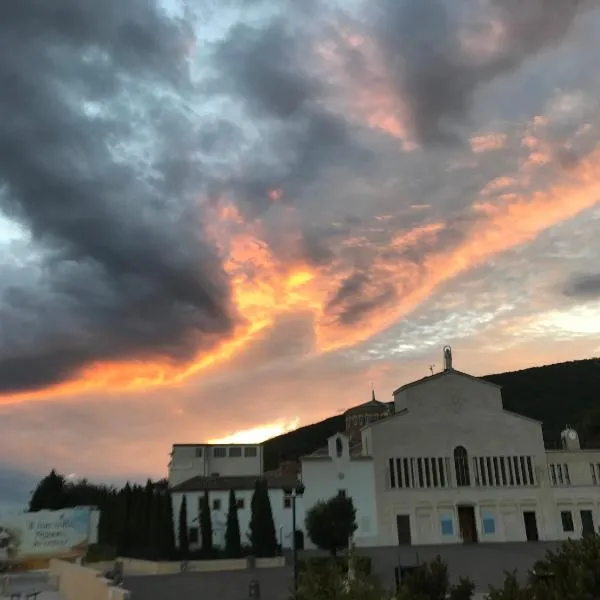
{"points": [[407, 479], [240, 503], [198, 452], [434, 472], [216, 504], [193, 535], [420, 472], [235, 452], [342, 493], [567, 521], [559, 474], [503, 471], [515, 461], [427, 472], [530, 471], [566, 473], [553, 474], [593, 472], [489, 525], [497, 471], [447, 526], [511, 475], [250, 452], [490, 472], [287, 502], [220, 452], [412, 473], [392, 473], [476, 471], [399, 471], [482, 471], [442, 472], [524, 471]]}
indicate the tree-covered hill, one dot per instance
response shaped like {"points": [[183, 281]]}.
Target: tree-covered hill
{"points": [[559, 394]]}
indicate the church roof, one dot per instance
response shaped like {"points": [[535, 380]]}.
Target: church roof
{"points": [[372, 403], [442, 374]]}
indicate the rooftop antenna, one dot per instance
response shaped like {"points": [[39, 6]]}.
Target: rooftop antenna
{"points": [[431, 367]]}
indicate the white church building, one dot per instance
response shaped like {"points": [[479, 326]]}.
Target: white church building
{"points": [[447, 464]]}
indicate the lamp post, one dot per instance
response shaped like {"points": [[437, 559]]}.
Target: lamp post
{"points": [[294, 493]]}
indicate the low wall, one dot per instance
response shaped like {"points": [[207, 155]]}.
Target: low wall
{"points": [[135, 566], [75, 582]]}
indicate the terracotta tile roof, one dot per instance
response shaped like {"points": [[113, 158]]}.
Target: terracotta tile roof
{"points": [[239, 482]]}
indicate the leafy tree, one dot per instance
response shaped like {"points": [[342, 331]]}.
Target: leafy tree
{"points": [[184, 544], [49, 494], [262, 534], [233, 544], [330, 523], [206, 525]]}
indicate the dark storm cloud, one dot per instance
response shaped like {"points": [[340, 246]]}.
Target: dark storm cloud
{"points": [[358, 296], [436, 75], [584, 286], [126, 272], [266, 67]]}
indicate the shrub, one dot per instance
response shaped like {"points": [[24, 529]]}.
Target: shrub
{"points": [[362, 564]]}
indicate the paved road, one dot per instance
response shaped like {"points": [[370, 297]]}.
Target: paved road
{"points": [[485, 564], [32, 582], [231, 585]]}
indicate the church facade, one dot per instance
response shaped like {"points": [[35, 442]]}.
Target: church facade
{"points": [[450, 465]]}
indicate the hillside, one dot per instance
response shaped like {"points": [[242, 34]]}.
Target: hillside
{"points": [[555, 394]]}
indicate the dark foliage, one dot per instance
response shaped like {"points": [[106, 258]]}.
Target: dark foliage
{"points": [[430, 581], [135, 520], [206, 526], [184, 541], [263, 537], [538, 393], [330, 524], [233, 544]]}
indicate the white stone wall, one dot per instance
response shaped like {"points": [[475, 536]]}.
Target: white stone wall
{"points": [[325, 477], [282, 516]]}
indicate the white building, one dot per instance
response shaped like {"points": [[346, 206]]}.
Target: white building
{"points": [[341, 468], [451, 465], [214, 460], [217, 469], [218, 498]]}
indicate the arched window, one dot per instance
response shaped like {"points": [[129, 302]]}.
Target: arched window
{"points": [[461, 466], [339, 448]]}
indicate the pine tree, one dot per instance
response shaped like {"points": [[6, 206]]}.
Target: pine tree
{"points": [[233, 544], [49, 494], [263, 536], [184, 545], [206, 526]]}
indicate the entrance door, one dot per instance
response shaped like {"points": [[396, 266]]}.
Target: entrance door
{"points": [[466, 523], [587, 522], [531, 530], [403, 527]]}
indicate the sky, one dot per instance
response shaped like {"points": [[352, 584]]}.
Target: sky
{"points": [[223, 220]]}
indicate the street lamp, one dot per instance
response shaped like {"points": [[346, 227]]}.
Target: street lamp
{"points": [[294, 493]]}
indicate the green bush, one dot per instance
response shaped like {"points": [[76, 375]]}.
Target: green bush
{"points": [[362, 564], [326, 580], [430, 581]]}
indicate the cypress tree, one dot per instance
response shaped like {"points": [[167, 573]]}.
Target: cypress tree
{"points": [[233, 544], [263, 536], [167, 528], [184, 545], [206, 526]]}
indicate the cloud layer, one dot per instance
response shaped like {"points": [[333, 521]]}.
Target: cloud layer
{"points": [[193, 199]]}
